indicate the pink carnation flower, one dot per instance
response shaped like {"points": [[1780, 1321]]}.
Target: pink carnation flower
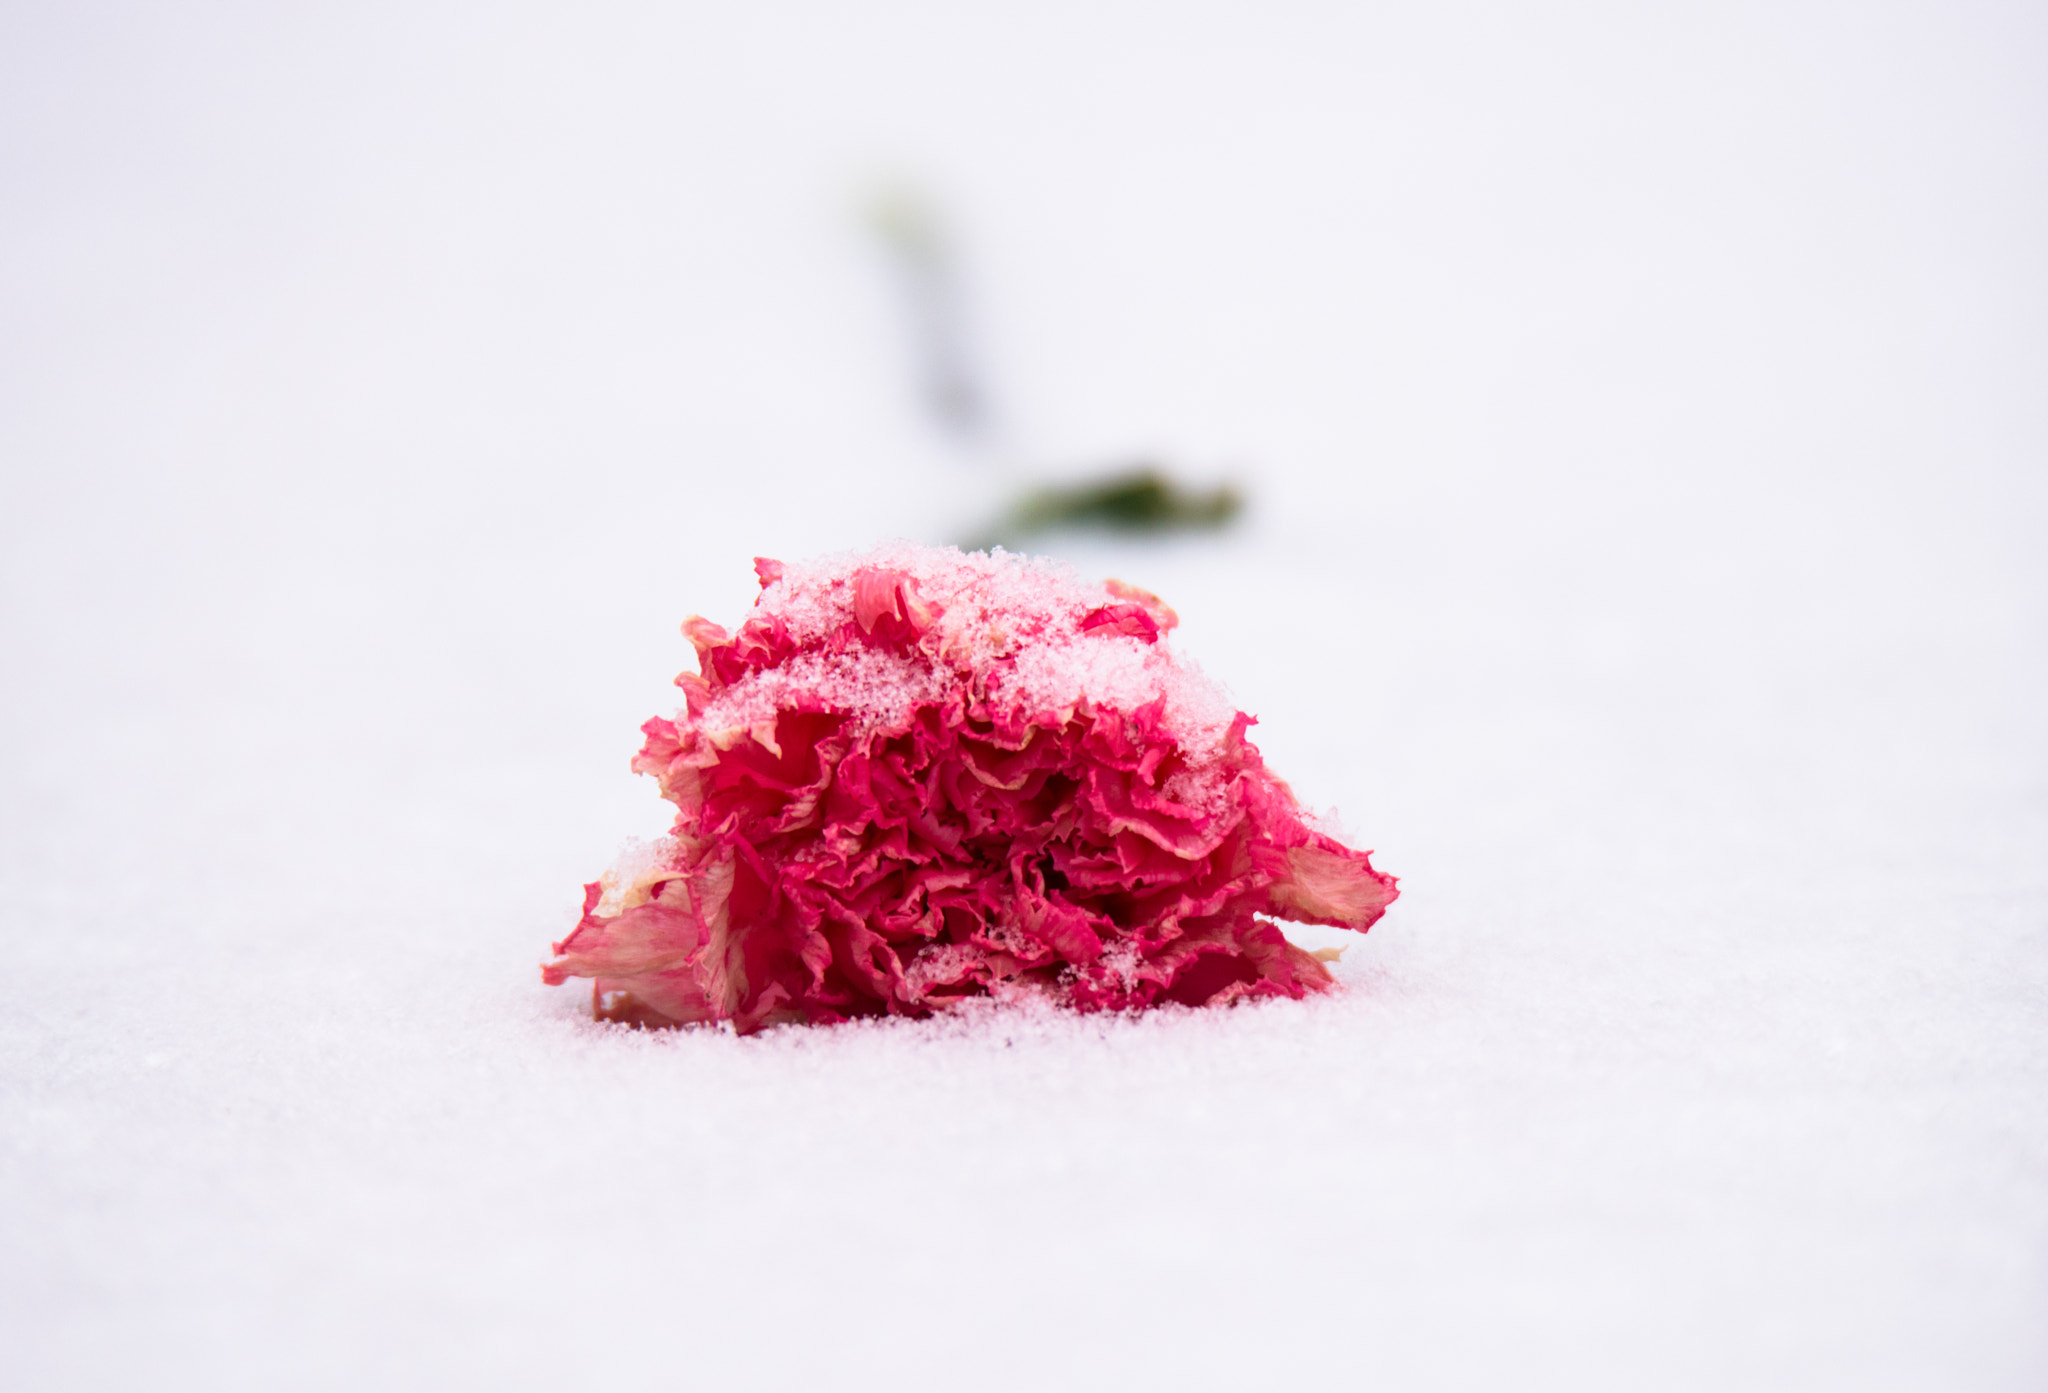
{"points": [[917, 777]]}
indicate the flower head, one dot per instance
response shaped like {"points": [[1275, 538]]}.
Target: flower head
{"points": [[915, 776]]}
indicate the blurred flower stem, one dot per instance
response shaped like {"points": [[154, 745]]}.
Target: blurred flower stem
{"points": [[1140, 496]]}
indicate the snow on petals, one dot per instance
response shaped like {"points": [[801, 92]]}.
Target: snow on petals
{"points": [[914, 776]]}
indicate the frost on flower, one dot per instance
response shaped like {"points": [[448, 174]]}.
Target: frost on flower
{"points": [[915, 777]]}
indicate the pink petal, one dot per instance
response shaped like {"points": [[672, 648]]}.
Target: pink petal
{"points": [[918, 777]]}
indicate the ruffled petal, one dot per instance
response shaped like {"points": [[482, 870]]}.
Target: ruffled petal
{"points": [[917, 778]]}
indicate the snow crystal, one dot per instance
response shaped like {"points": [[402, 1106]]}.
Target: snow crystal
{"points": [[877, 689], [1007, 622]]}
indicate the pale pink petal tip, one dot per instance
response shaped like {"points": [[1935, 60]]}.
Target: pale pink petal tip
{"points": [[915, 777]]}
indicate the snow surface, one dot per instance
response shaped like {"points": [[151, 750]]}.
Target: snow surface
{"points": [[1641, 411]]}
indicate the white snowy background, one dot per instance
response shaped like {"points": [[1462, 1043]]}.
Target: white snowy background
{"points": [[1643, 409]]}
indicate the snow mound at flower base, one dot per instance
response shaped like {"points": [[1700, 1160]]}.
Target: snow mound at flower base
{"points": [[916, 777]]}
